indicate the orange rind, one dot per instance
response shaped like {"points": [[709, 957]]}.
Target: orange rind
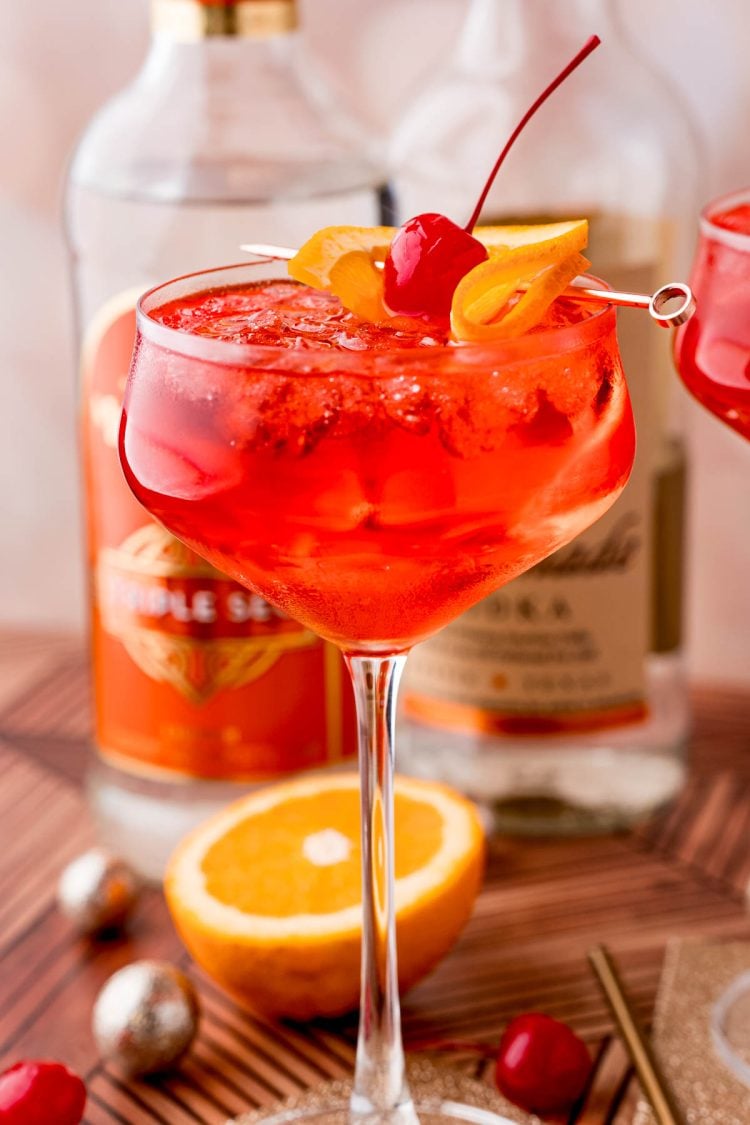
{"points": [[528, 267], [482, 309]]}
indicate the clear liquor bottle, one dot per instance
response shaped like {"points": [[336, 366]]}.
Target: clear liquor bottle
{"points": [[226, 135], [560, 702]]}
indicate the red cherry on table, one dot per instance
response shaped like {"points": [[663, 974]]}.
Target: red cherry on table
{"points": [[40, 1093], [542, 1066], [428, 257]]}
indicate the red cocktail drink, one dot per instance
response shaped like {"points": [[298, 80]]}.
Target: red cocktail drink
{"points": [[371, 483], [713, 349]]}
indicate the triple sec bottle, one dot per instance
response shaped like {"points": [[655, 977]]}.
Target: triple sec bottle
{"points": [[226, 135], [560, 701]]}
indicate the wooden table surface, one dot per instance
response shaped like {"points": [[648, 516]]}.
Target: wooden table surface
{"points": [[544, 904]]}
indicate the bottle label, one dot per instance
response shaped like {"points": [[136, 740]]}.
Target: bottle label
{"points": [[553, 651], [193, 674], [184, 623], [562, 649]]}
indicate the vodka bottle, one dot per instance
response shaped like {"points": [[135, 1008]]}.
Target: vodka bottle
{"points": [[560, 701], [226, 135]]}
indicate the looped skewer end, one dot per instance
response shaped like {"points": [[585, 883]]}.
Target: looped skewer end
{"points": [[672, 304]]}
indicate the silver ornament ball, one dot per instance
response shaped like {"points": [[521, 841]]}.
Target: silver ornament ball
{"points": [[145, 1017], [97, 891]]}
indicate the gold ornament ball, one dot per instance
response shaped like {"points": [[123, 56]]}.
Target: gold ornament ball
{"points": [[145, 1017], [97, 891]]}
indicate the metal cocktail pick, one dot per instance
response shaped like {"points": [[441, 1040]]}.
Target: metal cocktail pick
{"points": [[670, 306]]}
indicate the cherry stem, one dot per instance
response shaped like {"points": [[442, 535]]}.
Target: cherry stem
{"points": [[589, 46]]}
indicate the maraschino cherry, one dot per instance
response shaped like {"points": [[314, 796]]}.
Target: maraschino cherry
{"points": [[542, 1066], [40, 1093], [430, 253], [429, 246]]}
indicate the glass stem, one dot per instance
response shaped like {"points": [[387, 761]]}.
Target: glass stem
{"points": [[380, 1089]]}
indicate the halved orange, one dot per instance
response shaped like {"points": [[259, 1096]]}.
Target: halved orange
{"points": [[267, 896]]}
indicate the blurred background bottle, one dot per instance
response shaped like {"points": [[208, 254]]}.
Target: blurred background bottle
{"points": [[560, 701], [225, 135]]}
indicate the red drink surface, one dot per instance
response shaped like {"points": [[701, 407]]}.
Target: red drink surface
{"points": [[736, 218], [712, 350], [371, 484]]}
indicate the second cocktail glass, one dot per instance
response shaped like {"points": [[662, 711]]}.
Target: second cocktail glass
{"points": [[712, 351], [374, 488]]}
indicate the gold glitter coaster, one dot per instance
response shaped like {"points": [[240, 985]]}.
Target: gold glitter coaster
{"points": [[696, 975], [429, 1085]]}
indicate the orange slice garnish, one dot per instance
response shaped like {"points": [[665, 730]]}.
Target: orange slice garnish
{"points": [[541, 292], [354, 279], [313, 262], [358, 284], [567, 237], [484, 294], [538, 262]]}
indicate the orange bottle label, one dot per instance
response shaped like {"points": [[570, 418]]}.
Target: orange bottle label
{"points": [[193, 674]]}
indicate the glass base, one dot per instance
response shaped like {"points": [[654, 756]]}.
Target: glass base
{"points": [[441, 1096]]}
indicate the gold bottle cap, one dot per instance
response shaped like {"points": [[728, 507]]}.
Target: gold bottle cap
{"points": [[191, 20]]}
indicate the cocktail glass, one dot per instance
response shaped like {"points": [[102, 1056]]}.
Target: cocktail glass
{"points": [[372, 490], [712, 350]]}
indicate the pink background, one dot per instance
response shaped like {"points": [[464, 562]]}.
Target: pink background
{"points": [[59, 61]]}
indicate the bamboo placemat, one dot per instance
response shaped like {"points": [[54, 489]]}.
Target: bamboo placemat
{"points": [[543, 905]]}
